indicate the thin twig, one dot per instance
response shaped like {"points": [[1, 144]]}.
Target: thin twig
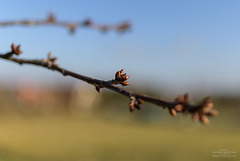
{"points": [[71, 26], [180, 104]]}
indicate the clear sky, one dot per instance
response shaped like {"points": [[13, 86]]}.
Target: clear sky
{"points": [[176, 45]]}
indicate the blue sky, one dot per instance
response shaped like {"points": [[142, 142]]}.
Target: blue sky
{"points": [[176, 46]]}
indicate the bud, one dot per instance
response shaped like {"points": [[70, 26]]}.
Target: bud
{"points": [[195, 116], [122, 71], [16, 50], [204, 119], [54, 60], [87, 22], [98, 89], [186, 97], [140, 101], [51, 18], [127, 77], [13, 46], [125, 83], [206, 101], [212, 113], [72, 28], [173, 112], [104, 28], [181, 99], [118, 75], [123, 77], [123, 27], [179, 108], [49, 56], [136, 105], [131, 106], [210, 105]]}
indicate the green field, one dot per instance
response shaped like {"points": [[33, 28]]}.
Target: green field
{"points": [[88, 138]]}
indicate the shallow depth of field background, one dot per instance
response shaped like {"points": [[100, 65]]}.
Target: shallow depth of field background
{"points": [[173, 47]]}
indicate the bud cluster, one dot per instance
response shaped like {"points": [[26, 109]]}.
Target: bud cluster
{"points": [[16, 50], [204, 110], [87, 22], [51, 60], [123, 27], [135, 103], [121, 78], [180, 102], [199, 113], [51, 18]]}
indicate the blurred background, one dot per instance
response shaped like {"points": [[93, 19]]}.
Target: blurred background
{"points": [[173, 47]]}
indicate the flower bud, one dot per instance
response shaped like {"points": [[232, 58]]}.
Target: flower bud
{"points": [[204, 119], [186, 97], [173, 112], [181, 99], [140, 101], [212, 113], [179, 107], [125, 83], [131, 106], [195, 116], [98, 89]]}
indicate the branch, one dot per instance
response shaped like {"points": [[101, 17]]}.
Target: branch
{"points": [[179, 105], [71, 26]]}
